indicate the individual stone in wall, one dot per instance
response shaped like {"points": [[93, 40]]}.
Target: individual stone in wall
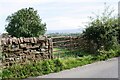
{"points": [[31, 40], [3, 41], [10, 39], [22, 45], [21, 40], [26, 40], [14, 41], [43, 44], [7, 41], [35, 39], [42, 50]]}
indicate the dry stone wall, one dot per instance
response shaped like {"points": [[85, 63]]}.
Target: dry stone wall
{"points": [[22, 50]]}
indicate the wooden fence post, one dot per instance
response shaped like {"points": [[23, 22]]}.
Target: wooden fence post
{"points": [[50, 48]]}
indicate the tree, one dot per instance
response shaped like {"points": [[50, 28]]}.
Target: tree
{"points": [[25, 23], [102, 31]]}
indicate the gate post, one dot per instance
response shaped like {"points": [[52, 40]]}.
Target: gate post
{"points": [[50, 48]]}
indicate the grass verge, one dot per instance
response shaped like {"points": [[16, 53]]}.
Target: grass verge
{"points": [[50, 66]]}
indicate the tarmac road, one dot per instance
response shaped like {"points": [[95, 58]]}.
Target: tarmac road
{"points": [[101, 69]]}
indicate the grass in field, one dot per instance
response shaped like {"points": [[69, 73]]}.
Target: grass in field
{"points": [[65, 53], [59, 52]]}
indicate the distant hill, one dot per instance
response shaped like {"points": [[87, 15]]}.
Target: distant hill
{"points": [[65, 31]]}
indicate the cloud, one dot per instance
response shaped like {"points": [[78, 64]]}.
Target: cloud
{"points": [[58, 14], [60, 23]]}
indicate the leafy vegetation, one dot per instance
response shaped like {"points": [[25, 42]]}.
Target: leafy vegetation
{"points": [[25, 23], [49, 66], [102, 32]]}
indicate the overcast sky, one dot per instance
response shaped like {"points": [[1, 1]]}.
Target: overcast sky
{"points": [[57, 14]]}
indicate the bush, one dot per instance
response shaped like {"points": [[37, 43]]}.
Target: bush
{"points": [[46, 67], [59, 65], [71, 62], [103, 55], [101, 32]]}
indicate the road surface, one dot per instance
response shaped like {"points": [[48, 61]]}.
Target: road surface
{"points": [[102, 69]]}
